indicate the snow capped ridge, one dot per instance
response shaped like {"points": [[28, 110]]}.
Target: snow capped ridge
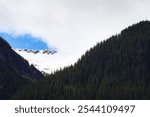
{"points": [[46, 61], [43, 60], [45, 51]]}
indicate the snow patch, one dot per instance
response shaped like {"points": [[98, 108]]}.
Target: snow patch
{"points": [[47, 61]]}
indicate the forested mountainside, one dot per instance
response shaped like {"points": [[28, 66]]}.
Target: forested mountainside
{"points": [[117, 68], [15, 72]]}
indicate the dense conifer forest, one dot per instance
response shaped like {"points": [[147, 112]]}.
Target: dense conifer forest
{"points": [[117, 68], [15, 72]]}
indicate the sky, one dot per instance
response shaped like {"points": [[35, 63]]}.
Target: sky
{"points": [[71, 26], [24, 41]]}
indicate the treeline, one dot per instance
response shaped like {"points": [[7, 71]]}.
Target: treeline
{"points": [[117, 68]]}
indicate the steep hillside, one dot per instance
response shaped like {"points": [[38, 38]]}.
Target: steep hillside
{"points": [[15, 72], [118, 68]]}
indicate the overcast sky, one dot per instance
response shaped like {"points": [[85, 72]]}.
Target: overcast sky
{"points": [[71, 26]]}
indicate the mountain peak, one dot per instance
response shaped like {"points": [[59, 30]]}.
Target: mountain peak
{"points": [[15, 71], [4, 44], [41, 59], [141, 24], [144, 22], [45, 51], [15, 61], [141, 27]]}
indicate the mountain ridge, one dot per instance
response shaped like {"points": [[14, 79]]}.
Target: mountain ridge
{"points": [[15, 72], [117, 68], [44, 51], [41, 59]]}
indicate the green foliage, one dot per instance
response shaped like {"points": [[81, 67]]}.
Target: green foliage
{"points": [[118, 68]]}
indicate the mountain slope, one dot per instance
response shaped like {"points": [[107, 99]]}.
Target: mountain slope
{"points": [[41, 59], [15, 71], [118, 68]]}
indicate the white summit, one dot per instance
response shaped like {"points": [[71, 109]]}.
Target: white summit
{"points": [[44, 60]]}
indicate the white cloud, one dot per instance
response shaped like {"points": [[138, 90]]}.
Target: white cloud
{"points": [[72, 26]]}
